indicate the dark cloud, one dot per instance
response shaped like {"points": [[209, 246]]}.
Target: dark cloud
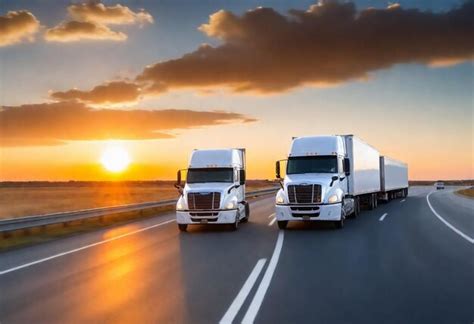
{"points": [[108, 93], [17, 26], [73, 31], [265, 51], [57, 123]]}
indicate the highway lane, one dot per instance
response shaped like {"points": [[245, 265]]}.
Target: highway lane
{"points": [[454, 208], [156, 275], [408, 267]]}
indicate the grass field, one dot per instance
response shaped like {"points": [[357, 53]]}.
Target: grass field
{"points": [[31, 198], [469, 192]]}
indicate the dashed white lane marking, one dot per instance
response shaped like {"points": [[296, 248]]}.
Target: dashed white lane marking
{"points": [[243, 293], [272, 222], [382, 217], [403, 200], [466, 237], [26, 265], [265, 283], [271, 215]]}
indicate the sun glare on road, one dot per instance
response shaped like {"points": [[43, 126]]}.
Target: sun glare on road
{"points": [[115, 158]]}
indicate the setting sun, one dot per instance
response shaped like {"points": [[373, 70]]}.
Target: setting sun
{"points": [[115, 159]]}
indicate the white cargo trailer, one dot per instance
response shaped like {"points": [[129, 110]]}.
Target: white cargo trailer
{"points": [[393, 178], [364, 177]]}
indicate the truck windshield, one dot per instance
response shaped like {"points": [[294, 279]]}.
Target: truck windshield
{"points": [[210, 175], [312, 164]]}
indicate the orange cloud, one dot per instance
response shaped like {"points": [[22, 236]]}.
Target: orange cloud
{"points": [[330, 43], [99, 13], [108, 93], [17, 26], [56, 123], [73, 31], [90, 22]]}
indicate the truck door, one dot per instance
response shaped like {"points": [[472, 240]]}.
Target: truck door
{"points": [[240, 177], [344, 183]]}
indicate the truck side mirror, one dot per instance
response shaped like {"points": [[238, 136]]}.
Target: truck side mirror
{"points": [[347, 166], [178, 185], [242, 177], [277, 170]]}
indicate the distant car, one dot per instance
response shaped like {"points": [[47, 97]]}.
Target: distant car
{"points": [[439, 185]]}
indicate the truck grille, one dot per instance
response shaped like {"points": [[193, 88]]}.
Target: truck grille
{"points": [[304, 194], [204, 200]]}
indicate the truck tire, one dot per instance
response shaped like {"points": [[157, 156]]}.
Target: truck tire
{"points": [[339, 224], [247, 213], [282, 224], [235, 225], [183, 227], [376, 201], [356, 211], [371, 204]]}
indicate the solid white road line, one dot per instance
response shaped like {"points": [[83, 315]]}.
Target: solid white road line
{"points": [[403, 200], [271, 215], [265, 283], [26, 265], [466, 237], [382, 217], [243, 293], [272, 222]]}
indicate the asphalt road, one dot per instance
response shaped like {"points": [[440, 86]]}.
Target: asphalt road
{"points": [[408, 261]]}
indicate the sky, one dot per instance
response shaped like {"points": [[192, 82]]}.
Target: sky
{"points": [[160, 78]]}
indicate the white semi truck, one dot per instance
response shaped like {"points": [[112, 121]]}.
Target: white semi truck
{"points": [[214, 191], [328, 178]]}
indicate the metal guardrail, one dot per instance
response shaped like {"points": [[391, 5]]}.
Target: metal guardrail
{"points": [[24, 223]]}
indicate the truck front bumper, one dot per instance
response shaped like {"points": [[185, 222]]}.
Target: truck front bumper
{"points": [[227, 216], [329, 212]]}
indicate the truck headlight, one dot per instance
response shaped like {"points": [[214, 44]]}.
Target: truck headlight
{"points": [[180, 205], [333, 199], [280, 198], [231, 205]]}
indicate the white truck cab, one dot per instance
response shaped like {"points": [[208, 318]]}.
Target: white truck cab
{"points": [[316, 182], [214, 191]]}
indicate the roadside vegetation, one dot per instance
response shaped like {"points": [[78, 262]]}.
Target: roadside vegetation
{"points": [[468, 192], [19, 199]]}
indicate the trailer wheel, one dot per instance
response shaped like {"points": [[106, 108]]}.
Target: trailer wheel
{"points": [[183, 227], [282, 224], [371, 202], [356, 208]]}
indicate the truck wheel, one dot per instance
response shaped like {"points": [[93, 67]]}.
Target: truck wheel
{"points": [[247, 213], [376, 201], [282, 224], [356, 211], [339, 224], [183, 227], [371, 202], [235, 226]]}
